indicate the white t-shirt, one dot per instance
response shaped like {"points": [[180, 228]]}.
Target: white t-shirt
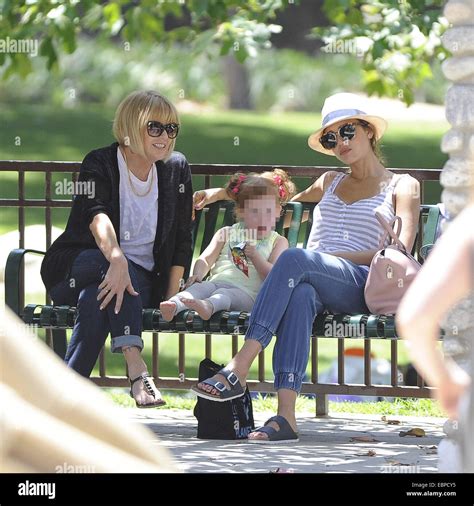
{"points": [[138, 215]]}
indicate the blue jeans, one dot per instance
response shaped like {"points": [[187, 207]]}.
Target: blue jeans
{"points": [[301, 284], [92, 325]]}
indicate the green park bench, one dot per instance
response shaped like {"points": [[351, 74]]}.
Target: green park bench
{"points": [[232, 323]]}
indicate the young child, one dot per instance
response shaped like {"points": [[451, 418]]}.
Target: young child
{"points": [[238, 257]]}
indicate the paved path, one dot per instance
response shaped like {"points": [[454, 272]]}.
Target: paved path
{"points": [[325, 445]]}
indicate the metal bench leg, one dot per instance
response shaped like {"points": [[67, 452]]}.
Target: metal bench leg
{"points": [[59, 342], [321, 405]]}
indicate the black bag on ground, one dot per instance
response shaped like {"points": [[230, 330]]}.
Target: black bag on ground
{"points": [[222, 420]]}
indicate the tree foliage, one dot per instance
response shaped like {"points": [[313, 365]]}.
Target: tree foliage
{"points": [[396, 40], [235, 25]]}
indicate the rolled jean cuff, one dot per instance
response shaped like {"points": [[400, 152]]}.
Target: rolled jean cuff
{"points": [[259, 333], [289, 380], [127, 340]]}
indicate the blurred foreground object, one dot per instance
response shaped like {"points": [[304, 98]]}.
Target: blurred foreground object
{"points": [[446, 278], [53, 420]]}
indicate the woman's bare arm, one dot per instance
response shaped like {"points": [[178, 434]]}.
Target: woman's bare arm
{"points": [[202, 198], [407, 206], [313, 193], [445, 279], [363, 257]]}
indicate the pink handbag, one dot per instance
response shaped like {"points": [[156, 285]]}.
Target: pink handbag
{"points": [[392, 270]]}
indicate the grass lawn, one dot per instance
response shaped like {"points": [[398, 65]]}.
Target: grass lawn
{"points": [[304, 404], [68, 134]]}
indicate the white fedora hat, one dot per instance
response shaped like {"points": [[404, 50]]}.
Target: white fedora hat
{"points": [[343, 106]]}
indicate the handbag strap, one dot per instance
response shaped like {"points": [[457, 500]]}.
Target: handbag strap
{"points": [[389, 230]]}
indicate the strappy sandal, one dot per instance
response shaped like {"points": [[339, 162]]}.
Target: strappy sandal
{"points": [[285, 435], [148, 389], [234, 390]]}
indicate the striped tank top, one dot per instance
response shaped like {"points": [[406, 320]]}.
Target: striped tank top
{"points": [[338, 226]]}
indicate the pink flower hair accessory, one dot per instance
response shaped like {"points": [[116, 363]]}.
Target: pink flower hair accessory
{"points": [[281, 189], [236, 188]]}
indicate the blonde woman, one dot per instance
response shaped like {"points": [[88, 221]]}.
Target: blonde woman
{"points": [[127, 241]]}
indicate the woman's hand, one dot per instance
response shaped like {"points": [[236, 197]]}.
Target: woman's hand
{"points": [[451, 389], [116, 281], [193, 279], [202, 198]]}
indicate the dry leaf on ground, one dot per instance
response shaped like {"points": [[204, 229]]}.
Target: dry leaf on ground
{"points": [[364, 439], [390, 421], [416, 431]]}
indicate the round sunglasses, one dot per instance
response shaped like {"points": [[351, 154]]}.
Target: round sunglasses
{"points": [[155, 129], [346, 131]]}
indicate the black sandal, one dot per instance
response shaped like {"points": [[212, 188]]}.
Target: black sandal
{"points": [[148, 389], [234, 391]]}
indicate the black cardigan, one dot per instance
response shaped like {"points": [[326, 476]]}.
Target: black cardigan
{"points": [[173, 234]]}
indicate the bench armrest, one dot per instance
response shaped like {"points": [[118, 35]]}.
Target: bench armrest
{"points": [[430, 232], [296, 209], [13, 297], [425, 250]]}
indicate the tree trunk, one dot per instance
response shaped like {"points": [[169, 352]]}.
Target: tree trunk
{"points": [[237, 81]]}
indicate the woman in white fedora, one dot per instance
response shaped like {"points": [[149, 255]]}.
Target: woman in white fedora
{"points": [[331, 273]]}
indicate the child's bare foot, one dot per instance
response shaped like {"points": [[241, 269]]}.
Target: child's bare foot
{"points": [[168, 310], [202, 307]]}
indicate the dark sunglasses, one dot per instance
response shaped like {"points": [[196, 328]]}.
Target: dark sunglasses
{"points": [[347, 131], [155, 129]]}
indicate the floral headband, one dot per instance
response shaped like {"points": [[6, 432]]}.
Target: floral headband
{"points": [[236, 188], [281, 188], [277, 179]]}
